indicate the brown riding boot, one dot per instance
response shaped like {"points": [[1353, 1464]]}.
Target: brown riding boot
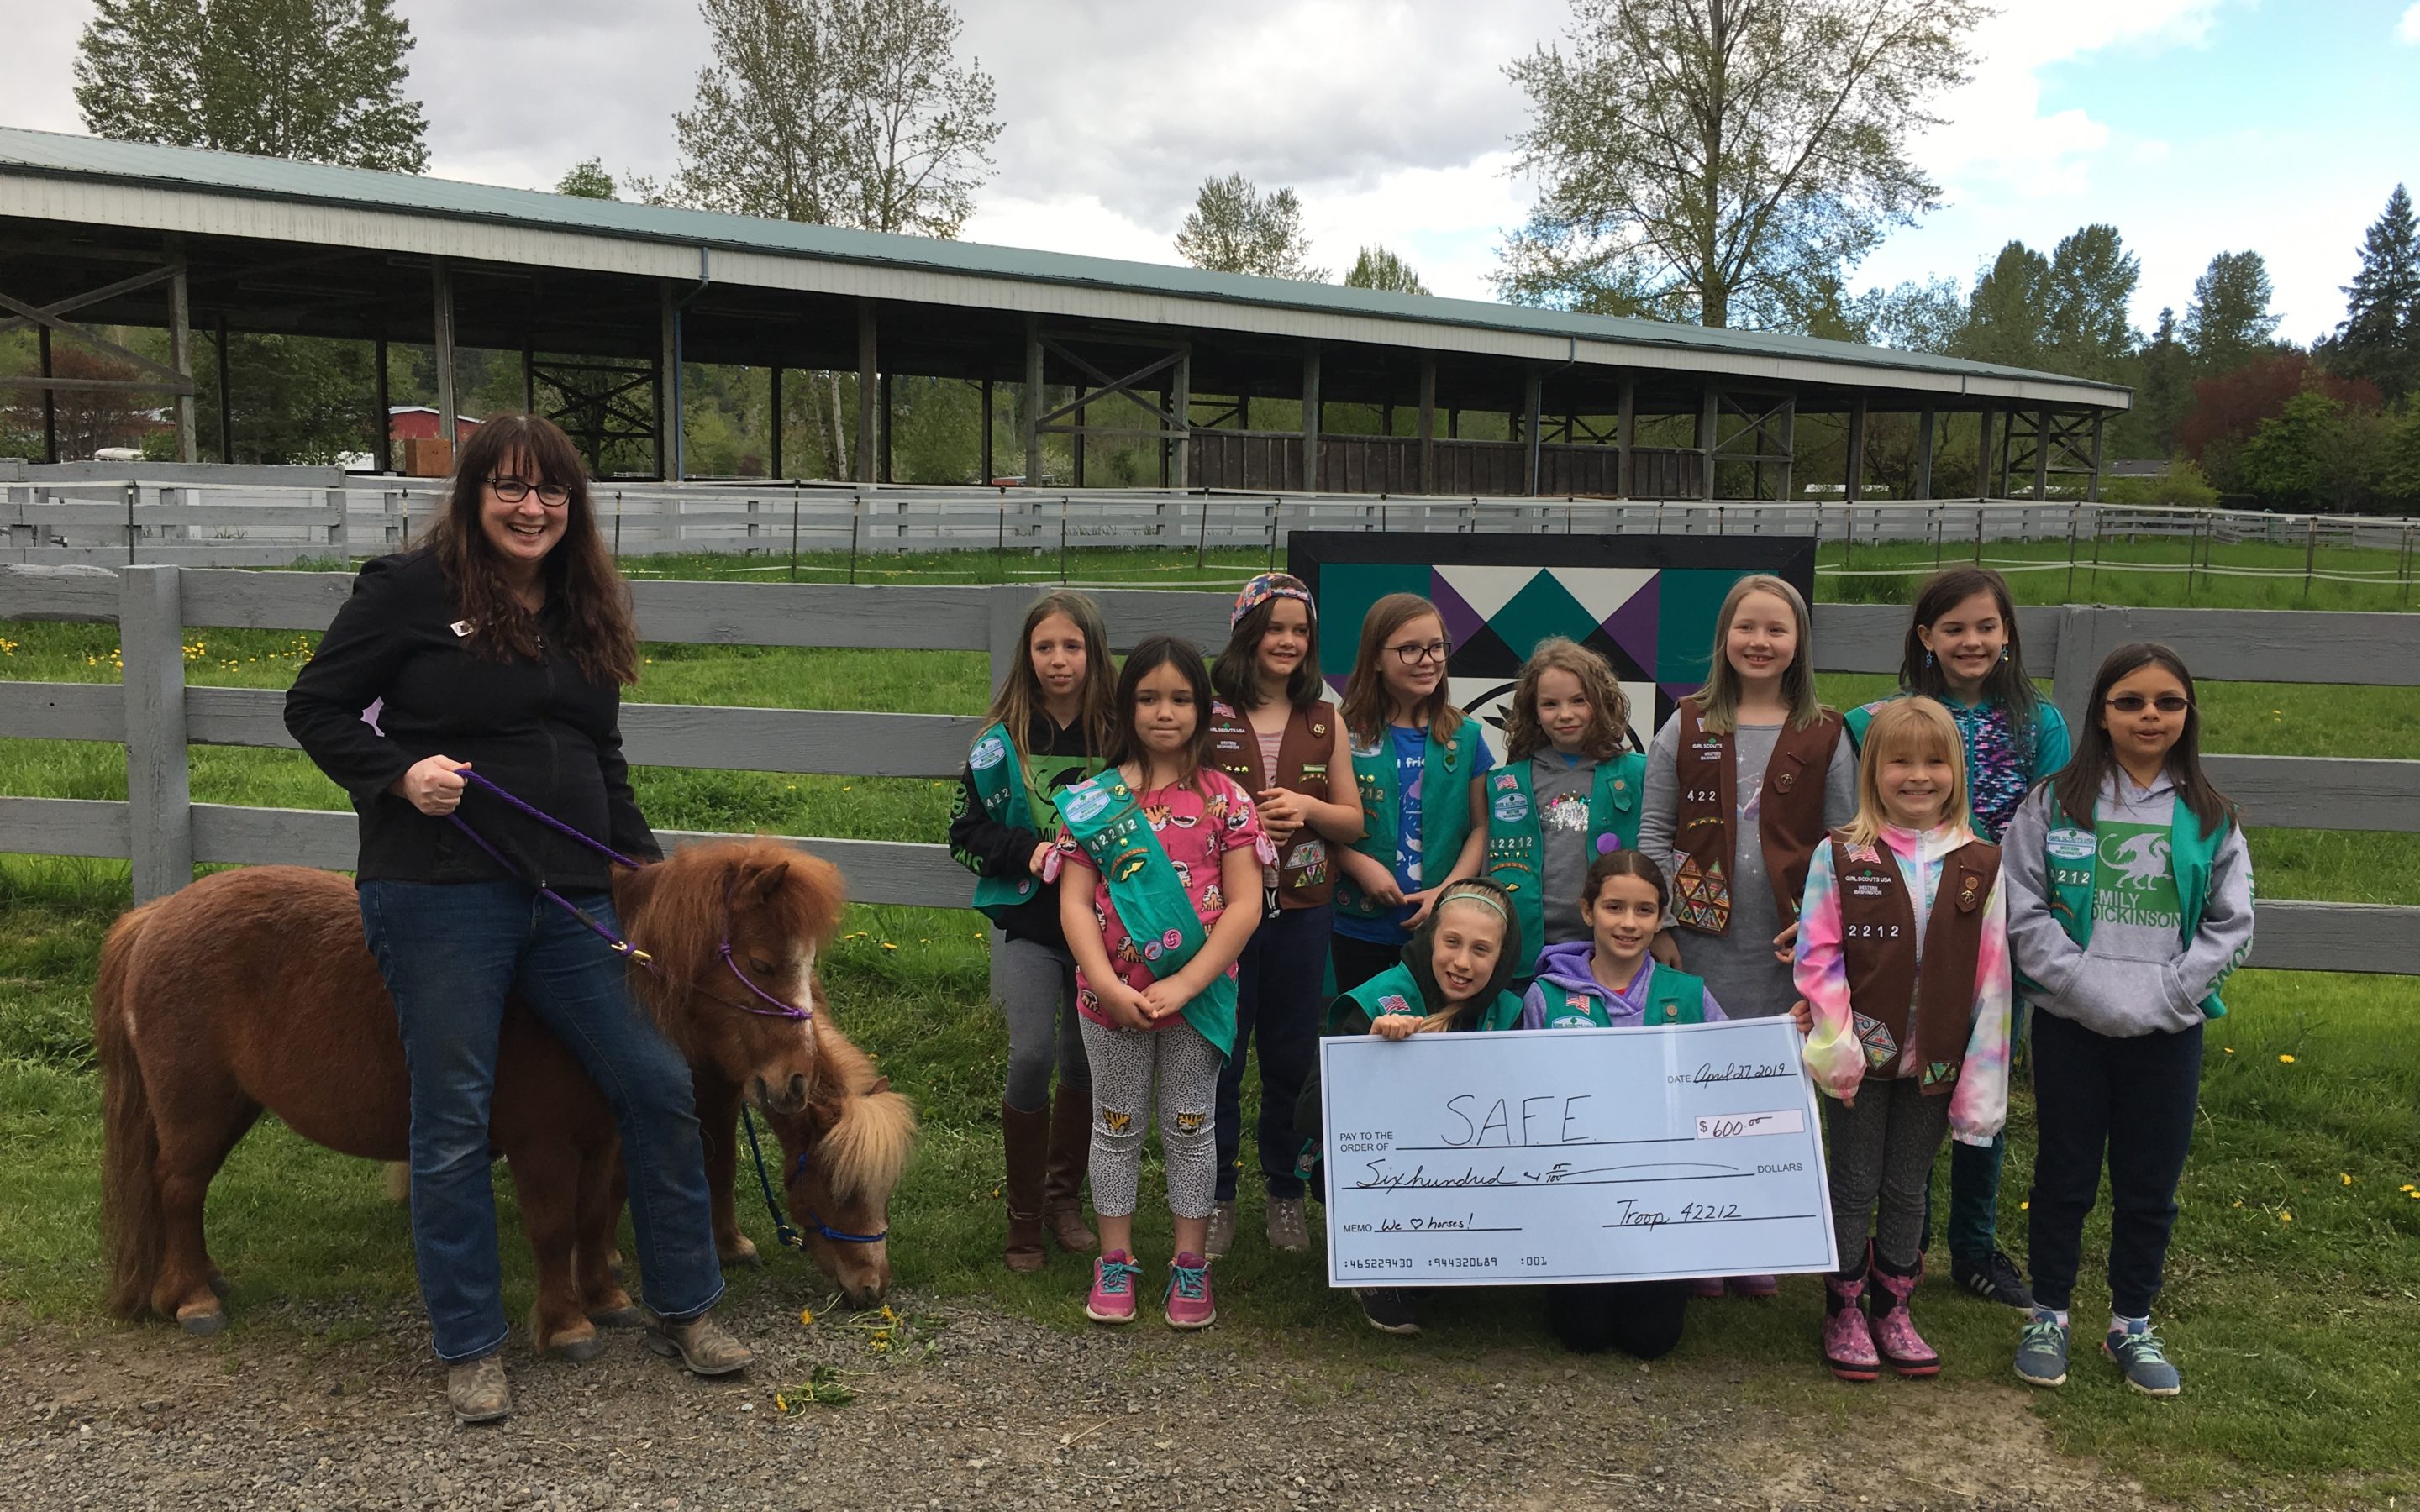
{"points": [[1025, 1137], [1071, 1154]]}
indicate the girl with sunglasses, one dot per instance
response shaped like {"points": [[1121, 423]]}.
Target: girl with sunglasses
{"points": [[2130, 901]]}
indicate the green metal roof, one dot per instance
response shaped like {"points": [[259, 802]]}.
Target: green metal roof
{"points": [[95, 159]]}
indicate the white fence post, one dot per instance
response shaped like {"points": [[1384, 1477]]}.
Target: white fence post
{"points": [[159, 788]]}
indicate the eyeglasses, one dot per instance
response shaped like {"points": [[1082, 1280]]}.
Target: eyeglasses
{"points": [[2165, 702], [513, 491], [1414, 654]]}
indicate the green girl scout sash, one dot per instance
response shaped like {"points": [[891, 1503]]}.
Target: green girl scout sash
{"points": [[1673, 996], [2079, 871], [1104, 818], [1006, 787], [1514, 843], [1395, 989], [1445, 810]]}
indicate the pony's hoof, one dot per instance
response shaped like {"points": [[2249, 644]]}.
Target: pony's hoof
{"points": [[743, 1253], [201, 1323], [578, 1348], [628, 1316], [218, 1281]]}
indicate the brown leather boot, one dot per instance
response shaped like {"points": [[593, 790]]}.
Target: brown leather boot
{"points": [[1025, 1137], [1071, 1154]]}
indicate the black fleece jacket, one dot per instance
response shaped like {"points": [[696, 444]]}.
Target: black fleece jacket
{"points": [[989, 848], [541, 730]]}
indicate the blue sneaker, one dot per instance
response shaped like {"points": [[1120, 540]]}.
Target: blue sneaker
{"points": [[2042, 1352], [2141, 1356]]}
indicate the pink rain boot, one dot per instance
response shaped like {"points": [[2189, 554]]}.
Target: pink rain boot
{"points": [[1848, 1345], [1894, 1333]]}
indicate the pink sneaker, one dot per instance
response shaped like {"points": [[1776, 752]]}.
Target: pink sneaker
{"points": [[1848, 1343], [1707, 1289], [1895, 1336], [1112, 1297], [1189, 1305], [1754, 1286]]}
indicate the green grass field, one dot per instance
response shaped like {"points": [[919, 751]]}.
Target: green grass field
{"points": [[2294, 1297]]}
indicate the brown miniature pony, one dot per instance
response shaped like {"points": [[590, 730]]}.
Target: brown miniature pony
{"points": [[841, 1161], [255, 990]]}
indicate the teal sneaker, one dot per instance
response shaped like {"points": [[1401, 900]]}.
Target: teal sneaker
{"points": [[2141, 1356], [2042, 1352]]}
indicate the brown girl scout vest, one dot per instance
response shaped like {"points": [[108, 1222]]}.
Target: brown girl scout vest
{"points": [[1877, 948], [1306, 876], [1790, 819]]}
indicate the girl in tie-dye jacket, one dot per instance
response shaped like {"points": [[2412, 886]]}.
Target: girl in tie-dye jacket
{"points": [[1903, 957]]}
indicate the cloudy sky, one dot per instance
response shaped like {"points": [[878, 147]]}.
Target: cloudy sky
{"points": [[2194, 126]]}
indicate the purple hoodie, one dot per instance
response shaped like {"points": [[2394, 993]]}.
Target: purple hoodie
{"points": [[1563, 970]]}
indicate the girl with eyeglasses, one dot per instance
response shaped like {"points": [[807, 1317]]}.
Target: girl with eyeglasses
{"points": [[1416, 761], [2130, 901]]}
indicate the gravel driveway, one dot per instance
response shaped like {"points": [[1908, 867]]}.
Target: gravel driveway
{"points": [[963, 1409]]}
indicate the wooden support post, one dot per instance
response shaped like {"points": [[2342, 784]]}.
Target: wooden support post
{"points": [[1082, 418], [440, 294], [1428, 423], [1180, 404], [1856, 478], [2093, 489], [676, 424], [529, 374], [868, 444], [158, 788], [1924, 452], [1709, 416], [1788, 451], [774, 417], [50, 396], [663, 389], [1532, 396], [1625, 437], [1985, 484], [1033, 406], [180, 357], [883, 424], [2042, 455], [985, 458], [1311, 412], [382, 440]]}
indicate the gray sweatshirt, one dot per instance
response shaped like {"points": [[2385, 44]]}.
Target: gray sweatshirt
{"points": [[2136, 979]]}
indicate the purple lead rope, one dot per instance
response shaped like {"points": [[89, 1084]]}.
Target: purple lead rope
{"points": [[775, 1006]]}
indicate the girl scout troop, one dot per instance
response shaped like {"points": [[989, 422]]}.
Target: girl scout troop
{"points": [[1911, 877]]}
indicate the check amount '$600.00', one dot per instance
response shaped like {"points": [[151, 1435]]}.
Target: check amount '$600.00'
{"points": [[1563, 1155]]}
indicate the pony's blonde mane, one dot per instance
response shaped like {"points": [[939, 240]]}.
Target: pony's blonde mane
{"points": [[872, 1128]]}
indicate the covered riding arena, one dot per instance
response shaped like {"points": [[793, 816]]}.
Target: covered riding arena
{"points": [[1233, 382]]}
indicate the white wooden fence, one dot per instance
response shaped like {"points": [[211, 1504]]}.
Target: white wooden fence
{"points": [[116, 515], [157, 717]]}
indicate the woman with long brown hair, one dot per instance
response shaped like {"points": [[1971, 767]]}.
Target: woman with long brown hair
{"points": [[499, 647]]}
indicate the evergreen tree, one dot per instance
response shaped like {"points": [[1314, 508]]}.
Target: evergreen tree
{"points": [[2380, 338], [2163, 392], [2005, 317], [2092, 278], [317, 81], [2229, 322]]}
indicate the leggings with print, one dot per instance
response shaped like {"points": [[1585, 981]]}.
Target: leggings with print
{"points": [[1126, 1063]]}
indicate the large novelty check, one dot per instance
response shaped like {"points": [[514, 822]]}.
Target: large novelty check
{"points": [[1573, 1155]]}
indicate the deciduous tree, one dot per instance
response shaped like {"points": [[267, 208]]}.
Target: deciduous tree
{"points": [[2089, 331], [1377, 268], [1234, 228], [849, 113], [2229, 321], [1726, 152], [320, 81], [589, 181]]}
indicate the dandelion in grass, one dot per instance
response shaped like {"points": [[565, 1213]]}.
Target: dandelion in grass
{"points": [[2285, 1059], [806, 1318], [2285, 1217], [888, 945], [2346, 1178]]}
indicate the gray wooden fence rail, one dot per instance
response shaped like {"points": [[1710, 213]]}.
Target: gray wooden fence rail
{"points": [[157, 717]]}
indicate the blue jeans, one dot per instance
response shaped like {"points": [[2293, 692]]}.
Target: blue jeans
{"points": [[450, 953]]}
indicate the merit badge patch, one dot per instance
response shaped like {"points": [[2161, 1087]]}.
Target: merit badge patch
{"points": [[1085, 800], [1393, 1003], [989, 752], [1510, 808]]}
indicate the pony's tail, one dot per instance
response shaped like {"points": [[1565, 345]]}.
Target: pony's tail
{"points": [[133, 1232]]}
